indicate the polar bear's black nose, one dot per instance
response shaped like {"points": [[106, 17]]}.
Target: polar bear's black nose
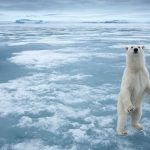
{"points": [[135, 50]]}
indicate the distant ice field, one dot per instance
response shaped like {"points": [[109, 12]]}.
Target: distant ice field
{"points": [[59, 84]]}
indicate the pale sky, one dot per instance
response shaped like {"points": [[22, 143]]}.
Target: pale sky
{"points": [[118, 8]]}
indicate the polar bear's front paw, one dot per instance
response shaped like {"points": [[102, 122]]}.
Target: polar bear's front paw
{"points": [[131, 109], [138, 127], [122, 132]]}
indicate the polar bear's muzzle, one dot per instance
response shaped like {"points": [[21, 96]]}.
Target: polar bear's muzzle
{"points": [[135, 50]]}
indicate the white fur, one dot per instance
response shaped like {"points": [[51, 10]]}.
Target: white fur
{"points": [[135, 83]]}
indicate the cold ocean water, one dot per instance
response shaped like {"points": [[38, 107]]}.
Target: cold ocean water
{"points": [[59, 84]]}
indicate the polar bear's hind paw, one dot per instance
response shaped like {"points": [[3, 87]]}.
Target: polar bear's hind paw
{"points": [[122, 132], [138, 127]]}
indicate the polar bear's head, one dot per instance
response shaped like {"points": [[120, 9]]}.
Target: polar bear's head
{"points": [[135, 56], [135, 50]]}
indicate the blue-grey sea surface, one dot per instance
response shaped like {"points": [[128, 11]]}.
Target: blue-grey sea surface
{"points": [[59, 84]]}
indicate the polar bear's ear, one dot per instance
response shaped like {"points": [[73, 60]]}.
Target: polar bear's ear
{"points": [[126, 48], [143, 47]]}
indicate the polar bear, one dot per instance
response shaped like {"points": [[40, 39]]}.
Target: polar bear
{"points": [[135, 83]]}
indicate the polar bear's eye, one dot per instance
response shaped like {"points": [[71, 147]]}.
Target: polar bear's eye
{"points": [[126, 48], [131, 46], [138, 46]]}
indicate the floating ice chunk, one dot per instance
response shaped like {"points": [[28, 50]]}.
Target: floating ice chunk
{"points": [[79, 135], [25, 121], [23, 21]]}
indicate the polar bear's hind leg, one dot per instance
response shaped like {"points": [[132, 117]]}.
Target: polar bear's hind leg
{"points": [[122, 117], [136, 116]]}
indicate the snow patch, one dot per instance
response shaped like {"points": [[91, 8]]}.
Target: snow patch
{"points": [[34, 144], [49, 59]]}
